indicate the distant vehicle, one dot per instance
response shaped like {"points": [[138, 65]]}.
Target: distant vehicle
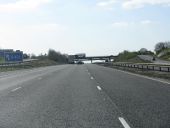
{"points": [[80, 62]]}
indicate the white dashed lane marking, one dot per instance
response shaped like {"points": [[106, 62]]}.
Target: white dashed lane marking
{"points": [[91, 78], [15, 89], [99, 88], [123, 122]]}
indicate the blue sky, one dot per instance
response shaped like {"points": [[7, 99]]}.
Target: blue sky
{"points": [[94, 27]]}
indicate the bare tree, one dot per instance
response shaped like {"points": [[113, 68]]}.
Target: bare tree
{"points": [[160, 46], [57, 56]]}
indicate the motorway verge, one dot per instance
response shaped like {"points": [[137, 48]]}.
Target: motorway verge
{"points": [[165, 75], [27, 65]]}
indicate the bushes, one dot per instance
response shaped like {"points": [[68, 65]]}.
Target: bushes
{"points": [[57, 56]]}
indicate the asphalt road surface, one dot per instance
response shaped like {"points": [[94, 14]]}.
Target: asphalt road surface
{"points": [[156, 61], [82, 96]]}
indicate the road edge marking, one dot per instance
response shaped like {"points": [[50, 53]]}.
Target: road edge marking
{"points": [[146, 77], [15, 89], [123, 122], [92, 78]]}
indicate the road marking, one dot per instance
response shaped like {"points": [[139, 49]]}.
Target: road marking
{"points": [[40, 78], [15, 89], [99, 88], [91, 78], [124, 123], [4, 76], [146, 77]]}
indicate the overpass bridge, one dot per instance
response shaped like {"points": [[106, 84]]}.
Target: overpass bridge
{"points": [[73, 58]]}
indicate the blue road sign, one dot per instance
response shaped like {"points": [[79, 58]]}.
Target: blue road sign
{"points": [[1, 54], [14, 57]]}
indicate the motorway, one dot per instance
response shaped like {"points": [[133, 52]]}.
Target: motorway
{"points": [[82, 96], [156, 61]]}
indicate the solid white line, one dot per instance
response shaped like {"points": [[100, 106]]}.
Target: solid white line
{"points": [[124, 123], [146, 77], [15, 89], [99, 88], [92, 78]]}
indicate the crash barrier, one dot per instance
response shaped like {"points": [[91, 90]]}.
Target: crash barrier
{"points": [[14, 65], [143, 66]]}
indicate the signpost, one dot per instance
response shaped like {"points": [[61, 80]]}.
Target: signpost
{"points": [[13, 57]]}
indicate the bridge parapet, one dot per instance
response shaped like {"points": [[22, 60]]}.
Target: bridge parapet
{"points": [[90, 58]]}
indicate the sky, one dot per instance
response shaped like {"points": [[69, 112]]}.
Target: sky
{"points": [[94, 27]]}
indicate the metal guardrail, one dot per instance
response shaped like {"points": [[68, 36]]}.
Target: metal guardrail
{"points": [[152, 67], [10, 64], [140, 66], [14, 65]]}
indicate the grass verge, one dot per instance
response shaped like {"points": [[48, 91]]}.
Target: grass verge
{"points": [[149, 73], [28, 65]]}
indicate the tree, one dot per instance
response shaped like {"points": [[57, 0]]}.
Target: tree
{"points": [[33, 56], [57, 56], [143, 51], [26, 56], [42, 56], [161, 46]]}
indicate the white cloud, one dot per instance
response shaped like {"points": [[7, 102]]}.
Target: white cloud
{"points": [[106, 4], [124, 24], [22, 5], [120, 24], [131, 4], [146, 22]]}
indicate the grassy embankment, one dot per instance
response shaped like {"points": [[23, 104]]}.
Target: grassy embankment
{"points": [[133, 58], [167, 55], [28, 65], [130, 57]]}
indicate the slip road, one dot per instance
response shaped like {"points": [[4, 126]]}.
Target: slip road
{"points": [[82, 96]]}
